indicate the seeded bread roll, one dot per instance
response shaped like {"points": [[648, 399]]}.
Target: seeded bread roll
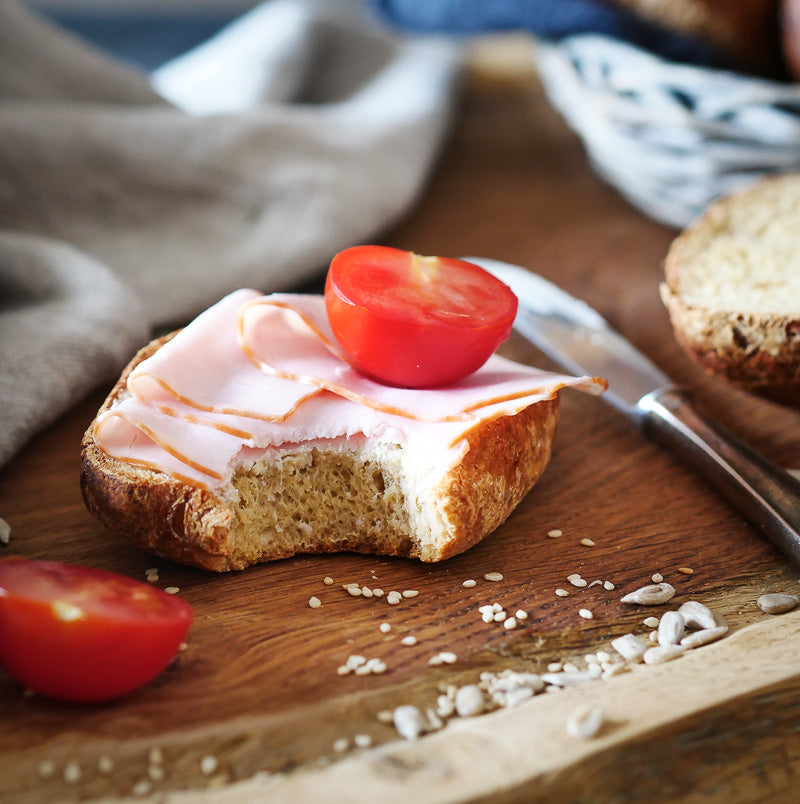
{"points": [[732, 288], [360, 498]]}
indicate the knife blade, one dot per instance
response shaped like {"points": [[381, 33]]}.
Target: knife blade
{"points": [[580, 340]]}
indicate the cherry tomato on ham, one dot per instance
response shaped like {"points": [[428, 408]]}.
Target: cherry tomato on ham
{"points": [[81, 634], [413, 321]]}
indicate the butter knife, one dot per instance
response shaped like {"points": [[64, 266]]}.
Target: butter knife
{"points": [[581, 341]]}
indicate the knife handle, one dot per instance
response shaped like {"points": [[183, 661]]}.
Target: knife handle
{"points": [[765, 493]]}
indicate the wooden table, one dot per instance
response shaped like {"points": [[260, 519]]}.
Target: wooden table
{"points": [[257, 688]]}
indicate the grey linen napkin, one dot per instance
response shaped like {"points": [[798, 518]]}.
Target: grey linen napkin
{"points": [[131, 202]]}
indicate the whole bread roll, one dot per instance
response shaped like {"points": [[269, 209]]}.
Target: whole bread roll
{"points": [[360, 496], [732, 288]]}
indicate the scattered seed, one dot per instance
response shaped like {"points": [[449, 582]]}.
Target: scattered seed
{"points": [[586, 614], [366, 591], [521, 614], [469, 701], [562, 593], [377, 592], [662, 653], [657, 577], [362, 740], [595, 583], [510, 623], [555, 533], [565, 679], [697, 615], [408, 640], [156, 756], [341, 745], [578, 581], [142, 788], [327, 580], [72, 773], [776, 603], [393, 598], [156, 773], [686, 570], [46, 769], [652, 595], [105, 765], [385, 716], [5, 532], [650, 622], [499, 617], [608, 586], [704, 636], [629, 647], [409, 722], [355, 591], [314, 602], [444, 657], [555, 667], [385, 628], [469, 583], [671, 628], [585, 723], [588, 542], [410, 593], [493, 576]]}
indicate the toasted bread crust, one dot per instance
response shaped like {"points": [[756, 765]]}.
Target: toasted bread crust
{"points": [[194, 526], [756, 350]]}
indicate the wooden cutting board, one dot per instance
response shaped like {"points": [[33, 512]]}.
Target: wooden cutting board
{"points": [[254, 707]]}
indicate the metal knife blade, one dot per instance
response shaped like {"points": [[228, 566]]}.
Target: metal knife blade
{"points": [[580, 340]]}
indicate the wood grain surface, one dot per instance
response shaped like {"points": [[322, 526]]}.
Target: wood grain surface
{"points": [[257, 688]]}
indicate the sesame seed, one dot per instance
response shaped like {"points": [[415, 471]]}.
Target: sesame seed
{"points": [[156, 773], [72, 772], [444, 657], [408, 640], [355, 591], [586, 614], [588, 542], [496, 607], [340, 745], [172, 590], [686, 570], [327, 580], [650, 622], [410, 593], [510, 624], [578, 581], [487, 617], [385, 628], [521, 614], [208, 764], [314, 602], [377, 592], [142, 788], [608, 586], [46, 768], [385, 716], [105, 765], [493, 576], [393, 598], [555, 667], [562, 592], [469, 583], [499, 616], [657, 577], [366, 592], [555, 533], [362, 740], [156, 756]]}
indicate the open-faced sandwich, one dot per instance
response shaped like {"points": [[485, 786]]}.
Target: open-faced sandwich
{"points": [[274, 425]]}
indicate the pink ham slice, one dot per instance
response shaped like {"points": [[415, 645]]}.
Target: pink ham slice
{"points": [[258, 373]]}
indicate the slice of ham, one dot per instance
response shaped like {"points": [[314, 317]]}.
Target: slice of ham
{"points": [[255, 374]]}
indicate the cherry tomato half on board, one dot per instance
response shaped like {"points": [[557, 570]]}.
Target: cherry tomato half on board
{"points": [[82, 634], [413, 321]]}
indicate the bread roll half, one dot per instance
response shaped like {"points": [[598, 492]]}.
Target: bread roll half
{"points": [[732, 288], [360, 496]]}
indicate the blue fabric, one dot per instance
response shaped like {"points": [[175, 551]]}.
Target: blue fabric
{"points": [[547, 19]]}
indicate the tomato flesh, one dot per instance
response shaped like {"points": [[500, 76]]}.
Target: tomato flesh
{"points": [[414, 321], [82, 634]]}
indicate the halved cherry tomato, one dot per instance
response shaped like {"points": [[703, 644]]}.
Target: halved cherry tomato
{"points": [[414, 321], [82, 634]]}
